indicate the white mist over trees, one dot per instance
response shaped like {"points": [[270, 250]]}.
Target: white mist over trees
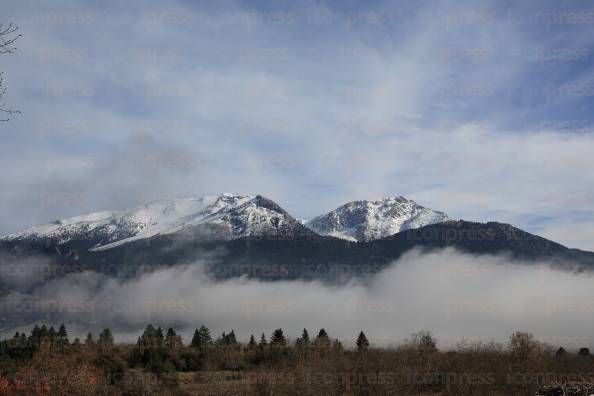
{"points": [[455, 296]]}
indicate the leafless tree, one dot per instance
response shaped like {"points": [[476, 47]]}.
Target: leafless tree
{"points": [[8, 36]]}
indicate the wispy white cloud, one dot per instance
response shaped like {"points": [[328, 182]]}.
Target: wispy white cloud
{"points": [[467, 109]]}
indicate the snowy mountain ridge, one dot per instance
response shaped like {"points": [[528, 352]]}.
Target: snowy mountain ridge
{"points": [[232, 216], [364, 221], [227, 216]]}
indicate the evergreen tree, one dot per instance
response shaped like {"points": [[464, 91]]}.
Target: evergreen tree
{"points": [[43, 332], [150, 331], [322, 340], [196, 340], [263, 343], [35, 331], [561, 352], [201, 338], [52, 336], [277, 338], [252, 344], [62, 335], [362, 343], [231, 339], [151, 338], [305, 336], [90, 341], [106, 338], [157, 353], [35, 337], [221, 339], [303, 341], [205, 337], [170, 338]]}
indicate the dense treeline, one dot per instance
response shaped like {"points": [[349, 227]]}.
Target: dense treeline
{"points": [[47, 362]]}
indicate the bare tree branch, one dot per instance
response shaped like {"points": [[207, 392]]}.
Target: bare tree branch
{"points": [[8, 36]]}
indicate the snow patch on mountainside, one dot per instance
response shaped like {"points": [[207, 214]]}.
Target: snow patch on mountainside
{"points": [[146, 220], [227, 216], [231, 216], [369, 220]]}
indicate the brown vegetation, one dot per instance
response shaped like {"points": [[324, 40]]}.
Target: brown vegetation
{"points": [[46, 363]]}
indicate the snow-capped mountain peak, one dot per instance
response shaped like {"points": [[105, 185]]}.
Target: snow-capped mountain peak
{"points": [[231, 216], [368, 220], [226, 216]]}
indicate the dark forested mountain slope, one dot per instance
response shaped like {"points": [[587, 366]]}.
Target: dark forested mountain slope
{"points": [[299, 255]]}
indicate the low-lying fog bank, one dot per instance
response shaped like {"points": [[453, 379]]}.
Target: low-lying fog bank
{"points": [[455, 296]]}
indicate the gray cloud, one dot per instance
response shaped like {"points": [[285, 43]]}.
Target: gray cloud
{"points": [[483, 112]]}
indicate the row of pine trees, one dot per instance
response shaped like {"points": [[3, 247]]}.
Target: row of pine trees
{"points": [[160, 351], [41, 335], [202, 339]]}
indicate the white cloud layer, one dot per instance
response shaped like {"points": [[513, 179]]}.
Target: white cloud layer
{"points": [[456, 296]]}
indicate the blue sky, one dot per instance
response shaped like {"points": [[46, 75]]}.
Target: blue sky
{"points": [[482, 110]]}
